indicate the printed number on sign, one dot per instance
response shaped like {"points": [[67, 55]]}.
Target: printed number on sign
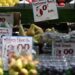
{"points": [[65, 51], [23, 47], [44, 7], [68, 51]]}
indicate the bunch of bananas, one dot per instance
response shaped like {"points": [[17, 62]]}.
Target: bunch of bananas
{"points": [[8, 3]]}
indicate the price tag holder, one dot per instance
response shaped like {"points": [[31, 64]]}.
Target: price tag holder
{"points": [[17, 45]]}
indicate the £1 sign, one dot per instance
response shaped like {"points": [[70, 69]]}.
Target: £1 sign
{"points": [[16, 45]]}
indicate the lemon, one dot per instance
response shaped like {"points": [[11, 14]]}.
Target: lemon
{"points": [[3, 2], [0, 4], [1, 71], [16, 1], [12, 4], [9, 1], [6, 5]]}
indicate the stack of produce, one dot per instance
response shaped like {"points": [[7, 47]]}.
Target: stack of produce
{"points": [[23, 65], [1, 66], [8, 3], [35, 31]]}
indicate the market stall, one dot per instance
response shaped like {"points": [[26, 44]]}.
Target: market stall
{"points": [[37, 37]]}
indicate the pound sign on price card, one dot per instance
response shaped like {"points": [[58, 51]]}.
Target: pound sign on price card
{"points": [[58, 52]]}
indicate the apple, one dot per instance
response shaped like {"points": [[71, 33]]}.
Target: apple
{"points": [[23, 71], [18, 65], [11, 62], [33, 72], [22, 58], [25, 62], [29, 57], [30, 65], [61, 4], [1, 71], [12, 72]]}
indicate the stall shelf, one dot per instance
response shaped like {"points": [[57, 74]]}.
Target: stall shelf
{"points": [[65, 15]]}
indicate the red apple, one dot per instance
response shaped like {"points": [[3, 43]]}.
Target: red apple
{"points": [[61, 4]]}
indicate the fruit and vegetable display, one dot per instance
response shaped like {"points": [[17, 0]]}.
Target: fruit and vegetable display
{"points": [[8, 3], [23, 65], [53, 71], [1, 67], [35, 31]]}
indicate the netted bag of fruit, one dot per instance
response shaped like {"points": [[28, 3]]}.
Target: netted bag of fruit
{"points": [[8, 3], [23, 65], [1, 66]]}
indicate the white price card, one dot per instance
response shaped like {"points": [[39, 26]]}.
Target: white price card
{"points": [[4, 32], [66, 49], [17, 45], [44, 10], [6, 24], [6, 19]]}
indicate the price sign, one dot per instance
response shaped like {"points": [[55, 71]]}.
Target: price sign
{"points": [[44, 10], [6, 19], [64, 48], [4, 32], [6, 23], [18, 45]]}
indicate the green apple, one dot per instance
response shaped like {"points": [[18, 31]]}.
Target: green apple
{"points": [[25, 62], [1, 71], [11, 62], [18, 65], [12, 72], [30, 65], [33, 72], [23, 71]]}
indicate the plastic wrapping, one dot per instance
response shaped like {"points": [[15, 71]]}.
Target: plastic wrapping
{"points": [[62, 64]]}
